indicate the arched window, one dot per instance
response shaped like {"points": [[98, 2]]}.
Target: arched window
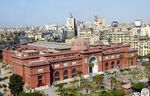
{"points": [[73, 72], [56, 78], [39, 81], [65, 74], [118, 62], [112, 64], [106, 66], [131, 61]]}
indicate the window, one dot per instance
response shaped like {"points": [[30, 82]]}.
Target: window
{"points": [[106, 66], [65, 64], [118, 62], [39, 81], [65, 74], [56, 78], [56, 66], [112, 64], [73, 72], [131, 62], [74, 63]]}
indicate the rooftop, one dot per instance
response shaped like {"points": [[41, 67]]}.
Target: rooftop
{"points": [[52, 45]]}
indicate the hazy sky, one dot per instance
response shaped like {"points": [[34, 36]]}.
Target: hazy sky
{"points": [[41, 12]]}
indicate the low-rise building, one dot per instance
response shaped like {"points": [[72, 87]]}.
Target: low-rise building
{"points": [[40, 66]]}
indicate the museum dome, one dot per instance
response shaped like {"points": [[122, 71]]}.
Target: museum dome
{"points": [[80, 44]]}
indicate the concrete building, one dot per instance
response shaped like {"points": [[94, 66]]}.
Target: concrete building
{"points": [[51, 27], [71, 27], [142, 45], [40, 66], [115, 36], [89, 35]]}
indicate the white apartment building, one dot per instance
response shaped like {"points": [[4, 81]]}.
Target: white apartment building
{"points": [[116, 36], [89, 35], [144, 31], [51, 27], [142, 45]]}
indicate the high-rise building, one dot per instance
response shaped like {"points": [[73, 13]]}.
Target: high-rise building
{"points": [[70, 22], [71, 27]]}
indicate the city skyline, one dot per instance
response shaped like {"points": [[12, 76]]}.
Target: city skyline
{"points": [[40, 12]]}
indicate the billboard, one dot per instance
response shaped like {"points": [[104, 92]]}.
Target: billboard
{"points": [[138, 23]]}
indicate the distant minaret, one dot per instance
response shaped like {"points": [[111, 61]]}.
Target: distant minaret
{"points": [[71, 23], [71, 15]]}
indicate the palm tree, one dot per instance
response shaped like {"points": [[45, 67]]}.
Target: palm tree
{"points": [[79, 73], [113, 81], [120, 58], [91, 65]]}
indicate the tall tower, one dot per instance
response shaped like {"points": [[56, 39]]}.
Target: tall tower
{"points": [[71, 24]]}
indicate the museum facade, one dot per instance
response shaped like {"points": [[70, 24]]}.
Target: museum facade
{"points": [[40, 66]]}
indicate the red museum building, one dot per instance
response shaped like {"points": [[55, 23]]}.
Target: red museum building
{"points": [[40, 66]]}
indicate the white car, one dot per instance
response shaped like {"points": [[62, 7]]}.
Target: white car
{"points": [[136, 94]]}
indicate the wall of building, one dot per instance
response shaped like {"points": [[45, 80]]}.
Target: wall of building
{"points": [[43, 68]]}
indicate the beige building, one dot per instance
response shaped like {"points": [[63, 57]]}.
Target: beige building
{"points": [[143, 46], [116, 36], [70, 23], [89, 35], [144, 31]]}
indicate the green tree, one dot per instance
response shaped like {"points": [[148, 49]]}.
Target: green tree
{"points": [[98, 79], [31, 94], [138, 86], [140, 57], [79, 73], [85, 85], [148, 56], [105, 93], [88, 86], [60, 86], [113, 81], [66, 90], [33, 39], [15, 84], [147, 71], [118, 92]]}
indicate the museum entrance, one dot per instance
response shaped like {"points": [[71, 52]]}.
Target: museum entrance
{"points": [[39, 81], [93, 65]]}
